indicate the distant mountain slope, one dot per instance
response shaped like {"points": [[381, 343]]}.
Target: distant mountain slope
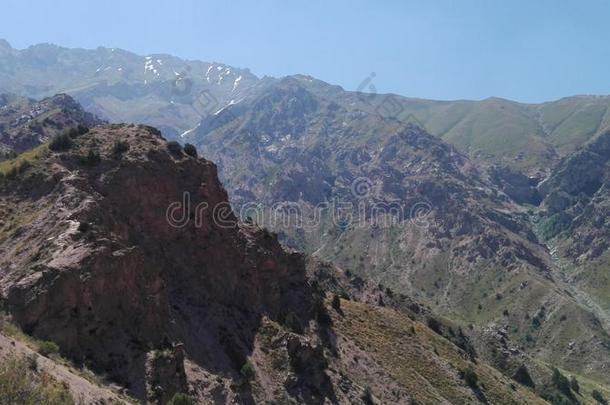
{"points": [[395, 204], [26, 123], [175, 94], [121, 86], [528, 137]]}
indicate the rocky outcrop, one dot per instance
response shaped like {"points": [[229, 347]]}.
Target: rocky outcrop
{"points": [[165, 375], [112, 275]]}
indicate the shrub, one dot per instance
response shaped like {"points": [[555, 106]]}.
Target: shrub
{"points": [[61, 142], [367, 396], [119, 148], [523, 377], [92, 158], [46, 348], [471, 377], [562, 383], [21, 384], [434, 324], [336, 303], [247, 371], [81, 129], [291, 321], [181, 399], [554, 225], [174, 148], [599, 397], [190, 150], [574, 385]]}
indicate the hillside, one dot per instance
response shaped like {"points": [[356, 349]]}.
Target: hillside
{"points": [[212, 307]]}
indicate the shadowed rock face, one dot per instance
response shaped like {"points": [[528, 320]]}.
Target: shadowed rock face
{"points": [[110, 277]]}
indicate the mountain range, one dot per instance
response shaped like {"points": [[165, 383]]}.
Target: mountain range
{"points": [[441, 239]]}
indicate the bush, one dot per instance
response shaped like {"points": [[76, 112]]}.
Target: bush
{"points": [[20, 383], [119, 148], [523, 377], [81, 129], [291, 321], [574, 385], [92, 158], [174, 148], [46, 348], [471, 378], [599, 397], [336, 303], [367, 396], [190, 150], [554, 225], [247, 371], [181, 399], [61, 142], [562, 383]]}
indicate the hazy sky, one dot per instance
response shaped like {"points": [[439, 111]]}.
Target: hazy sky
{"points": [[524, 50]]}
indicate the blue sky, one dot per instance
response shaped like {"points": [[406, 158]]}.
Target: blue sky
{"points": [[523, 50]]}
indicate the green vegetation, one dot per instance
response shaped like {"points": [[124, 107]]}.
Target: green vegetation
{"points": [[596, 395], [21, 384], [336, 303], [47, 348], [181, 399], [61, 142], [190, 150], [174, 148], [247, 371], [9, 169], [119, 148], [92, 158], [554, 225], [471, 378], [367, 396]]}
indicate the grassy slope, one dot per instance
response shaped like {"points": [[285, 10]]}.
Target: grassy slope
{"points": [[525, 136], [426, 364]]}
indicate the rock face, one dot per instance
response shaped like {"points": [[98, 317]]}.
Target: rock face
{"points": [[577, 202], [111, 276], [25, 123]]}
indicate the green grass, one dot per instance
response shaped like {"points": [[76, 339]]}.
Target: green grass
{"points": [[12, 167], [21, 383]]}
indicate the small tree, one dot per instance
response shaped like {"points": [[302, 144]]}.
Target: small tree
{"points": [[336, 303], [119, 148], [190, 150], [599, 397], [91, 158], [471, 378], [574, 384], [174, 148], [60, 142], [367, 396], [247, 371]]}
